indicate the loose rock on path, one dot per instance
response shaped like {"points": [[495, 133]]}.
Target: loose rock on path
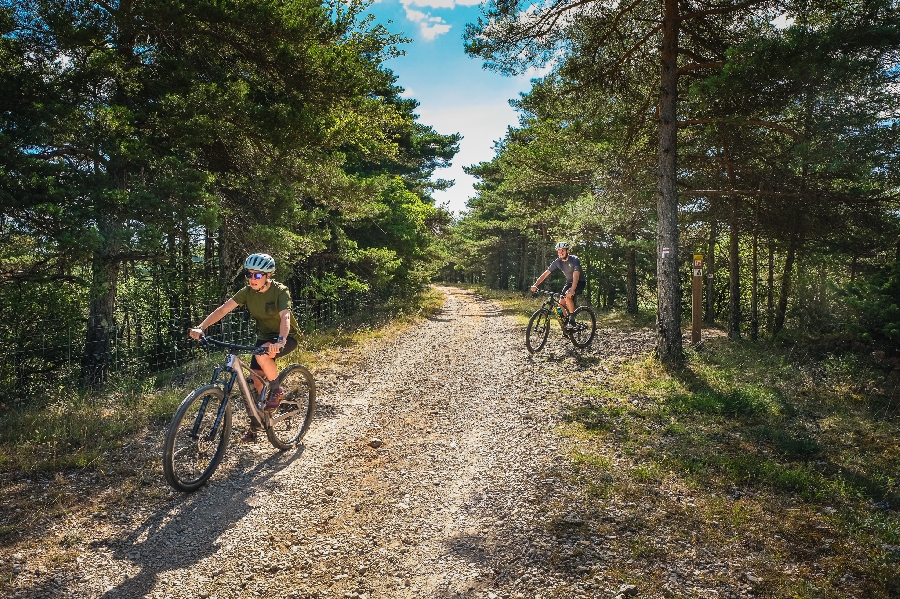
{"points": [[428, 472]]}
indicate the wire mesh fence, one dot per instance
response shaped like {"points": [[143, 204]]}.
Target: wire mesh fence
{"points": [[139, 347]]}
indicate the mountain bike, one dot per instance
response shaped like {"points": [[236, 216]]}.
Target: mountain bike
{"points": [[201, 428], [580, 335]]}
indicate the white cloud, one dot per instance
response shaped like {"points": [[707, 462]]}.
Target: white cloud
{"points": [[432, 31], [429, 27], [480, 126], [441, 3]]}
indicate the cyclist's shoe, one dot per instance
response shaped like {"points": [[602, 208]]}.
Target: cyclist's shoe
{"points": [[249, 436], [274, 400], [570, 326]]}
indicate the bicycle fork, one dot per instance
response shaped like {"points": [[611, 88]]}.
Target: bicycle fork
{"points": [[198, 421]]}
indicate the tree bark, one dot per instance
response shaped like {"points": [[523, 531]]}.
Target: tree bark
{"points": [[631, 304], [101, 323], [786, 280], [754, 284], [668, 316], [710, 316], [770, 288], [734, 254], [543, 248], [523, 263], [734, 273]]}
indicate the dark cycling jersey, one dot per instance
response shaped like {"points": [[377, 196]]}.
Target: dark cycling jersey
{"points": [[568, 267]]}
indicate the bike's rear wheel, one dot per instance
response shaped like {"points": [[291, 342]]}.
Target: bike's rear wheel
{"points": [[193, 449], [538, 329], [291, 420], [585, 327]]}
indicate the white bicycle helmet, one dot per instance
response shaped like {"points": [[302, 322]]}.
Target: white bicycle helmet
{"points": [[562, 245], [260, 262]]}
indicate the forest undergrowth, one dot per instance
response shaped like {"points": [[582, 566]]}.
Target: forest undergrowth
{"points": [[786, 449]]}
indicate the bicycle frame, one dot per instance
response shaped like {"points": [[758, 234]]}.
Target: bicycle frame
{"points": [[552, 303], [579, 333], [234, 366]]}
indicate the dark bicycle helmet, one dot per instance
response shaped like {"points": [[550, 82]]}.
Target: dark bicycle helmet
{"points": [[562, 245], [260, 262]]}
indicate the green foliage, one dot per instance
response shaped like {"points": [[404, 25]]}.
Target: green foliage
{"points": [[146, 149], [875, 301], [787, 147]]}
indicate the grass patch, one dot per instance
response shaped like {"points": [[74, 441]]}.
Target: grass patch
{"points": [[782, 457], [595, 418], [71, 538]]}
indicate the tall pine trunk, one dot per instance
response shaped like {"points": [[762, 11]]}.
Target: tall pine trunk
{"points": [[523, 263], [710, 313], [734, 256], [734, 275], [101, 323], [668, 315], [770, 288], [631, 304], [793, 243], [754, 283]]}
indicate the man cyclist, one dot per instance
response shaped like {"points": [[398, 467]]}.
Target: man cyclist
{"points": [[269, 303], [570, 266]]}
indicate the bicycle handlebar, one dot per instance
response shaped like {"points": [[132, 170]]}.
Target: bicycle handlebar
{"points": [[542, 292], [252, 349]]}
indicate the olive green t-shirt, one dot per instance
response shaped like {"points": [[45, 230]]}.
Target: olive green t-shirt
{"points": [[265, 308]]}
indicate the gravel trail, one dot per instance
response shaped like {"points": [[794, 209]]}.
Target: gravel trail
{"points": [[428, 472], [444, 461]]}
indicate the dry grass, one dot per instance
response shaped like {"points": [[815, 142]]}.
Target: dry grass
{"points": [[784, 465], [778, 464]]}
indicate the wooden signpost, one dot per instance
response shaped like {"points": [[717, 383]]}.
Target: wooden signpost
{"points": [[697, 299]]}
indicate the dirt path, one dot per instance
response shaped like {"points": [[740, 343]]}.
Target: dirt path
{"points": [[460, 498]]}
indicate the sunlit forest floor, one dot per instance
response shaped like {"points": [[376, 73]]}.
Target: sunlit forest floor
{"points": [[788, 452]]}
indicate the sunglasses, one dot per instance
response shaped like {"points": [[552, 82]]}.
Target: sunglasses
{"points": [[254, 275]]}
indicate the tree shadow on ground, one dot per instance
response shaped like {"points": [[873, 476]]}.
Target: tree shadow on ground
{"points": [[665, 511], [181, 533]]}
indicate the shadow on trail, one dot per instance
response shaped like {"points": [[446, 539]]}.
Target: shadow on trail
{"points": [[583, 359], [437, 319], [183, 532]]}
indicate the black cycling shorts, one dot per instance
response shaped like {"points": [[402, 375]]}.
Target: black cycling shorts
{"points": [[290, 344], [578, 289]]}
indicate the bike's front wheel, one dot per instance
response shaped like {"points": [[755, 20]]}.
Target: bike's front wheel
{"points": [[194, 445], [291, 420], [538, 329], [585, 327]]}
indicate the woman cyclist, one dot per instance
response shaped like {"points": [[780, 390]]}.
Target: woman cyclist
{"points": [[269, 303]]}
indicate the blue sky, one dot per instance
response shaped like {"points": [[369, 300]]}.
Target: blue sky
{"points": [[456, 95]]}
